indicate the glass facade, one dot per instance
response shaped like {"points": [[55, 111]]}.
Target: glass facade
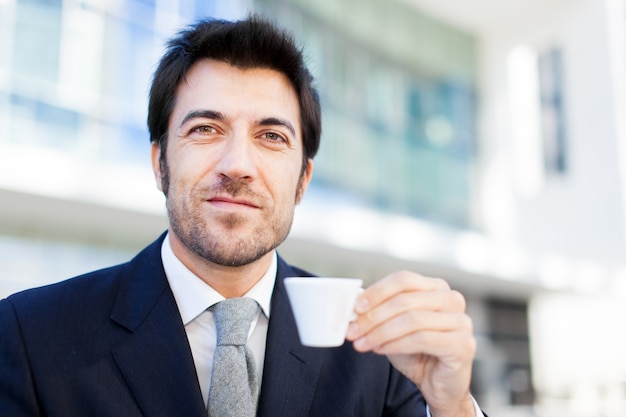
{"points": [[74, 74], [399, 105], [74, 78], [399, 102]]}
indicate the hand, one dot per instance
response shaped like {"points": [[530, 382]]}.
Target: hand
{"points": [[421, 325]]}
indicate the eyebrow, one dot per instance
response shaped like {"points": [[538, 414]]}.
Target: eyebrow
{"points": [[215, 115], [274, 121], [205, 114]]}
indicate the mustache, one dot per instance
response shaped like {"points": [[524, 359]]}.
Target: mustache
{"points": [[232, 187]]}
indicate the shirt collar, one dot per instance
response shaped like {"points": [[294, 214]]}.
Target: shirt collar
{"points": [[193, 295]]}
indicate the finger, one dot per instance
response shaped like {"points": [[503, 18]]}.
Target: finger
{"points": [[415, 301], [408, 325], [445, 345], [396, 283]]}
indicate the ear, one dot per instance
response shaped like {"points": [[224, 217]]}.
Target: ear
{"points": [[156, 165], [305, 179]]}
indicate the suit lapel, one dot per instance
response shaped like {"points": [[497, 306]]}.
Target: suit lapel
{"points": [[291, 370], [155, 360]]}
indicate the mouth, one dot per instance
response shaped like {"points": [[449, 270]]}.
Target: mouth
{"points": [[231, 203]]}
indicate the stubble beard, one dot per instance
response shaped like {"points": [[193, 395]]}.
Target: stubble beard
{"points": [[229, 243]]}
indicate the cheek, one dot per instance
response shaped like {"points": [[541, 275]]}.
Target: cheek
{"points": [[189, 169], [290, 188]]}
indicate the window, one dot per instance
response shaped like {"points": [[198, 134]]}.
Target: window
{"points": [[552, 111], [508, 324], [399, 132]]}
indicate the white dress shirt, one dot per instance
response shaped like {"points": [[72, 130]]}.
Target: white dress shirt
{"points": [[193, 297]]}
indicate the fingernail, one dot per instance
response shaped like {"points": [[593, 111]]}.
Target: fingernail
{"points": [[362, 304], [352, 330], [360, 344]]}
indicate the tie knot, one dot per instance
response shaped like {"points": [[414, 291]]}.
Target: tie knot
{"points": [[233, 317]]}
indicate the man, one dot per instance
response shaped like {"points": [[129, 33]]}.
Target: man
{"points": [[234, 124]]}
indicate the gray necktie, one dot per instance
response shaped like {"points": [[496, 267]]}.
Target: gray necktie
{"points": [[234, 387]]}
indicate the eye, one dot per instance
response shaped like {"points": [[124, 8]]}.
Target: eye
{"points": [[273, 137], [204, 129]]}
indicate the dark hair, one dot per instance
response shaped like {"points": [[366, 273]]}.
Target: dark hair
{"points": [[250, 43]]}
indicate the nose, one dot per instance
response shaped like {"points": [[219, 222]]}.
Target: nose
{"points": [[237, 160]]}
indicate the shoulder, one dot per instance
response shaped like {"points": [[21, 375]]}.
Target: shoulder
{"points": [[287, 270], [84, 292], [71, 295]]}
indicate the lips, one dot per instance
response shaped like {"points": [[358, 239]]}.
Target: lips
{"points": [[226, 201]]}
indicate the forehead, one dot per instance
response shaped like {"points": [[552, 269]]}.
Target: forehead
{"points": [[234, 91]]}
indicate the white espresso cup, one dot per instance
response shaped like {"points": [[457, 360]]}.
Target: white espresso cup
{"points": [[323, 308]]}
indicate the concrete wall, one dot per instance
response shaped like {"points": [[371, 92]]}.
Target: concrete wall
{"points": [[570, 228], [577, 217]]}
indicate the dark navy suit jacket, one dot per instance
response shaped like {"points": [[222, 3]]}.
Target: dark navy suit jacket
{"points": [[112, 343]]}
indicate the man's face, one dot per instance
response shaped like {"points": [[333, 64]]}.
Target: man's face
{"points": [[233, 162]]}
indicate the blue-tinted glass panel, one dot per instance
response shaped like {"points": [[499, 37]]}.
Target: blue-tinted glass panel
{"points": [[397, 136], [42, 3], [140, 12], [552, 111], [201, 9], [134, 144], [50, 125], [37, 39]]}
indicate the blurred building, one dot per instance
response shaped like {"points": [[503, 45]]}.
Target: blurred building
{"points": [[480, 141]]}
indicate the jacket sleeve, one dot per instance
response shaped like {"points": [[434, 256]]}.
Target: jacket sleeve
{"points": [[17, 392]]}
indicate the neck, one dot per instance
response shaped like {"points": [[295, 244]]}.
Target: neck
{"points": [[229, 281]]}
